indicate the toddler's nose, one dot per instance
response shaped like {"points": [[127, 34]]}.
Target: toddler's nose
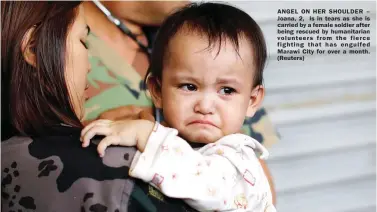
{"points": [[205, 104]]}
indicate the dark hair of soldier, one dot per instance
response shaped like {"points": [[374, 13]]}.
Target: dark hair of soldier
{"points": [[33, 98]]}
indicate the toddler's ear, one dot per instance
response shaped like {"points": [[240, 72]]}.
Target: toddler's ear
{"points": [[256, 99], [154, 87]]}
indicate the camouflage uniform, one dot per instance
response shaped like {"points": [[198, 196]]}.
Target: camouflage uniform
{"points": [[112, 81], [54, 173]]}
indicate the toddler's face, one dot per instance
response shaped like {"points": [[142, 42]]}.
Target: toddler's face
{"points": [[205, 96]]}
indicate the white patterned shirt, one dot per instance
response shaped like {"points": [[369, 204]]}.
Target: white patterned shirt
{"points": [[221, 176]]}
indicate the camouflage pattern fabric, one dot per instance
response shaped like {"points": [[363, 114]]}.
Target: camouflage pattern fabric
{"points": [[54, 173], [114, 82]]}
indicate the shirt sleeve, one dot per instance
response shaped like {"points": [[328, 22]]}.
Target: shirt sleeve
{"points": [[225, 175]]}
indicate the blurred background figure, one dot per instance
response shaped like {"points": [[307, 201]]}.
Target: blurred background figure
{"points": [[325, 111]]}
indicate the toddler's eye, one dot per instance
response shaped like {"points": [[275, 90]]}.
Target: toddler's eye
{"points": [[227, 91], [188, 87]]}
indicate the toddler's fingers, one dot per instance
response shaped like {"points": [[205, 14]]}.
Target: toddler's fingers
{"points": [[96, 130], [109, 140], [101, 122]]}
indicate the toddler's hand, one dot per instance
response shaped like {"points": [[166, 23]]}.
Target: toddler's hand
{"points": [[123, 132]]}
